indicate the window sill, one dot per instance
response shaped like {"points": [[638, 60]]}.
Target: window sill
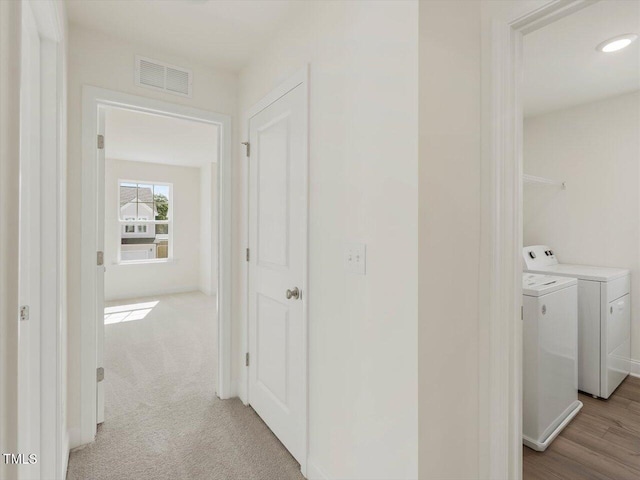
{"points": [[146, 262]]}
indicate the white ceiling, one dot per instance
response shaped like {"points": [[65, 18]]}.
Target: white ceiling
{"points": [[143, 137], [562, 67], [220, 33]]}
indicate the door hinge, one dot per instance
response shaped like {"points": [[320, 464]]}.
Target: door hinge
{"points": [[246, 359], [100, 258], [248, 150], [24, 313], [248, 256], [100, 142], [521, 312], [100, 374]]}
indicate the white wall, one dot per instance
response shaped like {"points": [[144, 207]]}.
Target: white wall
{"points": [[449, 220], [363, 406], [208, 278], [180, 274], [595, 148], [103, 61], [144, 137]]}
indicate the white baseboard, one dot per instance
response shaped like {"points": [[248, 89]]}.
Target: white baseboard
{"points": [[241, 389], [65, 456], [635, 368], [233, 391], [314, 472], [153, 292], [74, 438]]}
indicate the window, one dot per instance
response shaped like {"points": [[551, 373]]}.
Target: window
{"points": [[145, 219]]}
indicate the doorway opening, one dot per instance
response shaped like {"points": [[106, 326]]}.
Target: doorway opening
{"points": [[552, 184], [156, 209], [37, 357], [160, 261], [581, 237]]}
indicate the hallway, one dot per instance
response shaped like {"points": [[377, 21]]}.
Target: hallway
{"points": [[163, 420]]}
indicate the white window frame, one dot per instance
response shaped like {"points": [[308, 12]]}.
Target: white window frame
{"points": [[122, 223]]}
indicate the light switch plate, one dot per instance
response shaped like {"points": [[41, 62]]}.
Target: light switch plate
{"points": [[355, 258]]}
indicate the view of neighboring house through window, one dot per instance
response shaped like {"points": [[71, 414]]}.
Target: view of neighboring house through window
{"points": [[145, 221]]}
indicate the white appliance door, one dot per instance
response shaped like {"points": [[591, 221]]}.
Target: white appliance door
{"points": [[277, 235]]}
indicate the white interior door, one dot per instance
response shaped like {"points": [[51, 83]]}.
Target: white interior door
{"points": [[277, 242], [29, 247], [100, 269]]}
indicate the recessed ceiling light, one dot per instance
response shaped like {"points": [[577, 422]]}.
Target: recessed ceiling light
{"points": [[617, 43]]}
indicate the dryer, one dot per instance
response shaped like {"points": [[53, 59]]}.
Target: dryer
{"points": [[550, 357], [604, 319]]}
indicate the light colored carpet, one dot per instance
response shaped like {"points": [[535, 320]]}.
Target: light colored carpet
{"points": [[163, 420]]}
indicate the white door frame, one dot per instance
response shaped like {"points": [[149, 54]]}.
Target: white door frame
{"points": [[94, 98], [51, 182], [301, 77], [502, 195]]}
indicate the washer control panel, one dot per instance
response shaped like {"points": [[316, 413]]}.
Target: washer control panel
{"points": [[538, 256]]}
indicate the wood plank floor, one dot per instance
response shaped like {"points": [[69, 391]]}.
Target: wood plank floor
{"points": [[602, 442]]}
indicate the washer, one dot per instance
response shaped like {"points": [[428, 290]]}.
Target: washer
{"points": [[550, 357], [604, 319]]}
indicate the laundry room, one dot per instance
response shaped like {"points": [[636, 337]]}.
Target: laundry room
{"points": [[581, 230]]}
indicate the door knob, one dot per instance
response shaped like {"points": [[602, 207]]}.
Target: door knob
{"points": [[295, 293]]}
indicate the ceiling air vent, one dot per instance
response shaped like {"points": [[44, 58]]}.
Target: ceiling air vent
{"points": [[162, 76]]}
